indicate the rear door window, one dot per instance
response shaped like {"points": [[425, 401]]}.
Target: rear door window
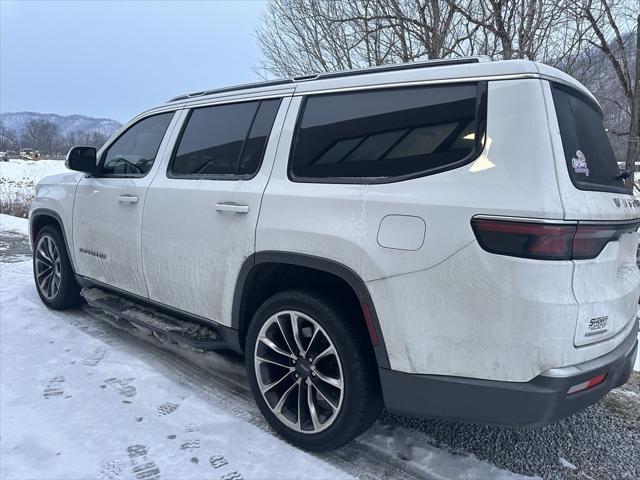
{"points": [[224, 140], [386, 135], [590, 159]]}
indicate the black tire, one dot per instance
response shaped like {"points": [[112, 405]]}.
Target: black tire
{"points": [[68, 294], [362, 400]]}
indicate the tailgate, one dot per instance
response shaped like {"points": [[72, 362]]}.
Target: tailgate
{"points": [[606, 289], [607, 285]]}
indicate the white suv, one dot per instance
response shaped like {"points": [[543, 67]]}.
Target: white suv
{"points": [[449, 238]]}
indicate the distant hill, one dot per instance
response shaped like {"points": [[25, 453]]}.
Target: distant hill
{"points": [[17, 121]]}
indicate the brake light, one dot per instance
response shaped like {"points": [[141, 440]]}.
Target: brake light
{"points": [[544, 241]]}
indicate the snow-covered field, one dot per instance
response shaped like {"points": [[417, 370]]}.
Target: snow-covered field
{"points": [[21, 176], [80, 399], [14, 224], [18, 179]]}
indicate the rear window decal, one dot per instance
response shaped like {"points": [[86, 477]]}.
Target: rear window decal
{"points": [[579, 163]]}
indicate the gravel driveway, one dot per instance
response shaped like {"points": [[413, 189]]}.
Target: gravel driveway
{"points": [[601, 442]]}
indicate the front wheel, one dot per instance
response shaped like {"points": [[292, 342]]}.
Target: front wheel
{"points": [[55, 281], [311, 370]]}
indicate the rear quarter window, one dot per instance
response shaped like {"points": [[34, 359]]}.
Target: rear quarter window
{"points": [[590, 159], [378, 136]]}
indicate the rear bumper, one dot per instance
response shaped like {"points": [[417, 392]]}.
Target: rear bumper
{"points": [[540, 401]]}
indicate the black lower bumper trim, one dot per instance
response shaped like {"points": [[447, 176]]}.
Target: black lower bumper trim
{"points": [[541, 401]]}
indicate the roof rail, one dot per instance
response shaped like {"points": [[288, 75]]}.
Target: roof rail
{"points": [[406, 66], [268, 83], [343, 73]]}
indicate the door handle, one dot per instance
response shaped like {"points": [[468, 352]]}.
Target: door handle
{"points": [[127, 199], [232, 207]]}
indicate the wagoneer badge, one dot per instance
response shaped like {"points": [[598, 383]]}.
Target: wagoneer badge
{"points": [[626, 202], [93, 253]]}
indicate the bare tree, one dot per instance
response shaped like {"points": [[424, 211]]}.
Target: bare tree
{"points": [[82, 138], [41, 135], [8, 139], [300, 37], [615, 27], [542, 30], [297, 40]]}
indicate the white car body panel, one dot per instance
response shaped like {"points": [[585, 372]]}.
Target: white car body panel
{"points": [[107, 231], [347, 218], [496, 318], [192, 252], [606, 287], [56, 193]]}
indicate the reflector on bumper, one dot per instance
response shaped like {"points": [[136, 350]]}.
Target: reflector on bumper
{"points": [[597, 380]]}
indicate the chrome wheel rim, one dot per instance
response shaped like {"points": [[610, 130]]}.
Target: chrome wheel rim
{"points": [[48, 267], [299, 372]]}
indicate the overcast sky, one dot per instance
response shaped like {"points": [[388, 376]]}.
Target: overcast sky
{"points": [[116, 59]]}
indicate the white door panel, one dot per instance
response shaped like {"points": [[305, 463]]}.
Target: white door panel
{"points": [[106, 232], [191, 247], [107, 218], [197, 233]]}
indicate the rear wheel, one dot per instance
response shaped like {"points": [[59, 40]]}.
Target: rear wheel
{"points": [[54, 278], [311, 372]]}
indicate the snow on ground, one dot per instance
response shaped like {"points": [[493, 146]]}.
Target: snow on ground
{"points": [[14, 224], [79, 401], [19, 177], [74, 406]]}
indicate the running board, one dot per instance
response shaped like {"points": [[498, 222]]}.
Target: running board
{"points": [[195, 335]]}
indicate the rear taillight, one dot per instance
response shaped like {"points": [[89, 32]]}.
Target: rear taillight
{"points": [[591, 239], [544, 241]]}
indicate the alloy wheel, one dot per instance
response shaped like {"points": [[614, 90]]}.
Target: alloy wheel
{"points": [[48, 267], [299, 372]]}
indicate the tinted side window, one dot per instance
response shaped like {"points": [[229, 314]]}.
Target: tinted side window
{"points": [[225, 139], [212, 140], [590, 159], [135, 150], [386, 133]]}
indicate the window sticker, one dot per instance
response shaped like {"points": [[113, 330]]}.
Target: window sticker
{"points": [[579, 163]]}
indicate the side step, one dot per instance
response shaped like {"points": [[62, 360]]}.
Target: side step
{"points": [[195, 335]]}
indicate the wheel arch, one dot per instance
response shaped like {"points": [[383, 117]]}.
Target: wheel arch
{"points": [[42, 217], [243, 306]]}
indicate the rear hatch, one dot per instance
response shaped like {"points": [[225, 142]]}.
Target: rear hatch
{"points": [[606, 280]]}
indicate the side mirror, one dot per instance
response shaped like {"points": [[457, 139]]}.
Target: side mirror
{"points": [[82, 159]]}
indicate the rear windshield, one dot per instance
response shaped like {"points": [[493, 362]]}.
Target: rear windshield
{"points": [[590, 159]]}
